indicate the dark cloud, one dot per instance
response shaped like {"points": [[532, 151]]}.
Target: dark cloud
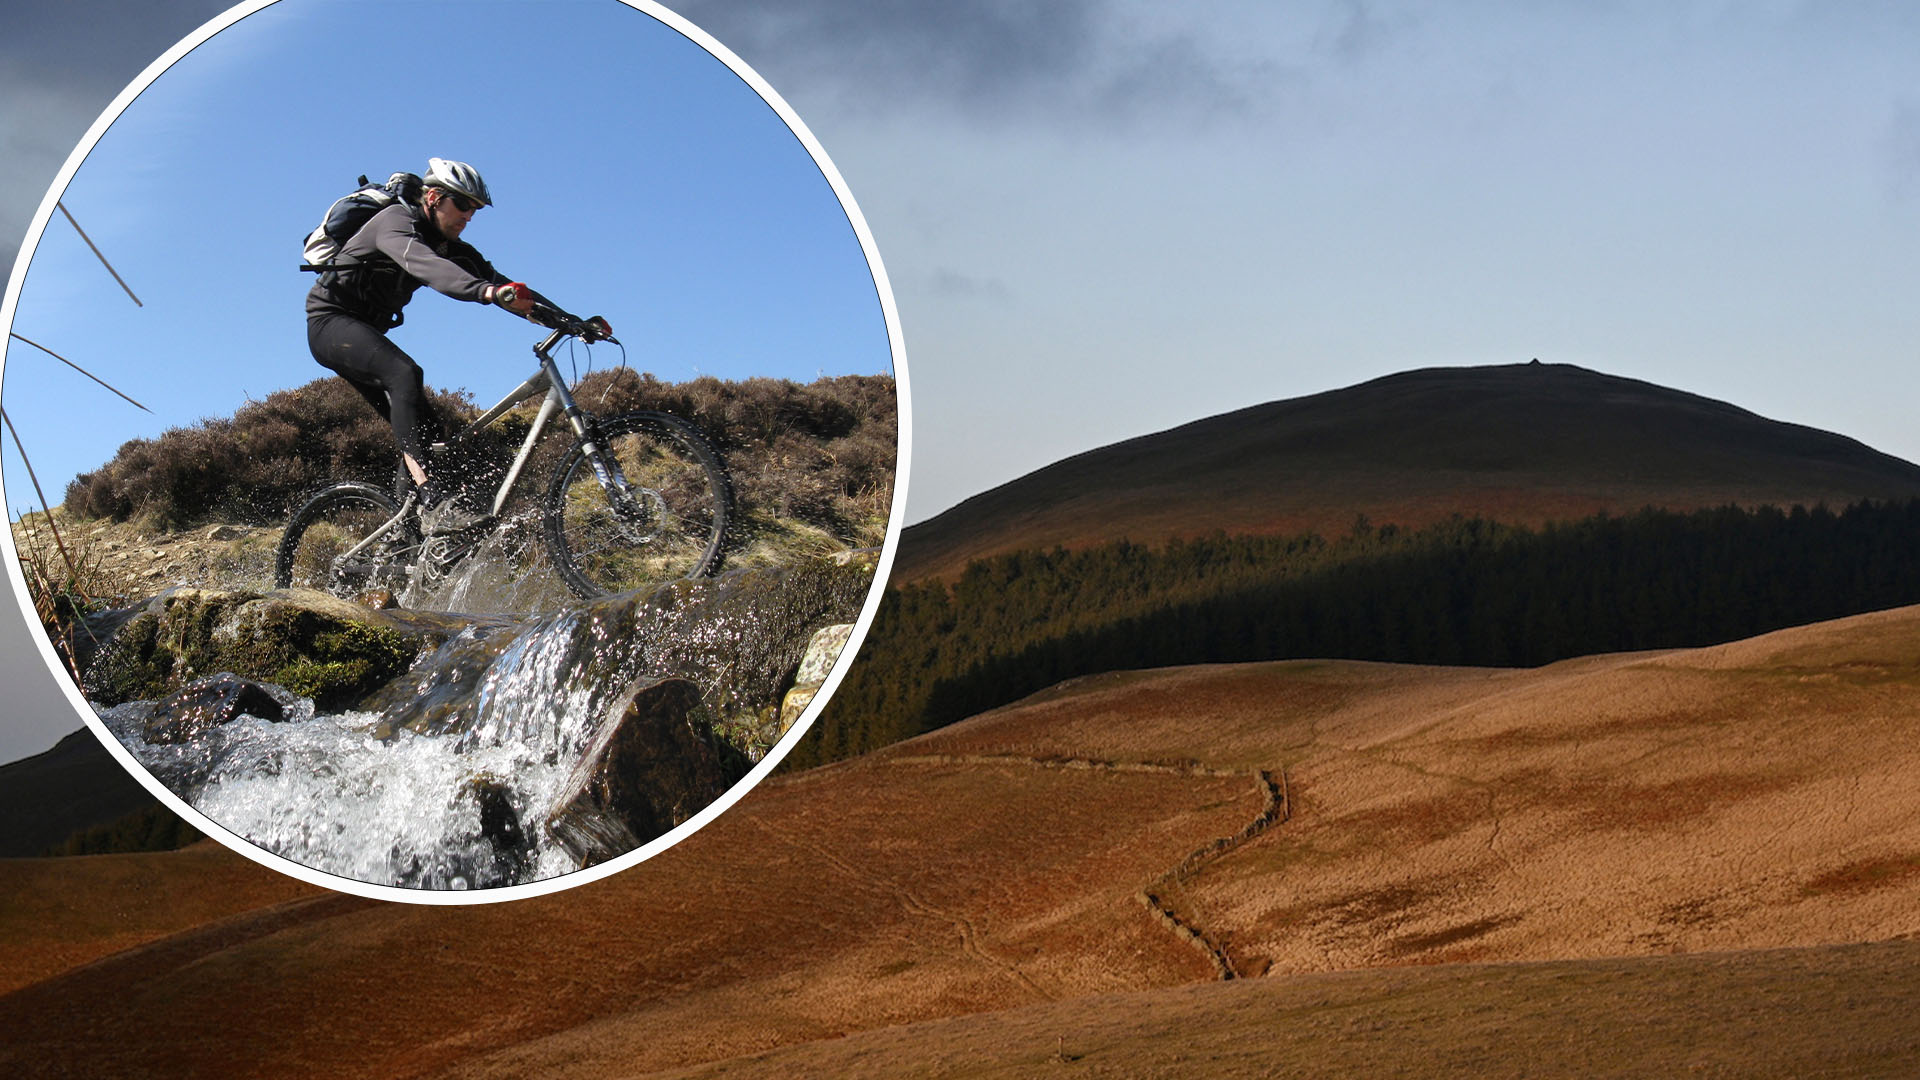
{"points": [[996, 61], [61, 63], [96, 45], [1177, 74]]}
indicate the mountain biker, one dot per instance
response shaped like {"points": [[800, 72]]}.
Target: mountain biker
{"points": [[351, 307]]}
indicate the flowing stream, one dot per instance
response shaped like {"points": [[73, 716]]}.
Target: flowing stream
{"points": [[327, 792], [508, 706]]}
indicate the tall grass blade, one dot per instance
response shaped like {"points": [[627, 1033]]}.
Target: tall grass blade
{"points": [[78, 368], [96, 253], [72, 570]]}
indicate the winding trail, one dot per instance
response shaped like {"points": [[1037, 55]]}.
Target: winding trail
{"points": [[1276, 808]]}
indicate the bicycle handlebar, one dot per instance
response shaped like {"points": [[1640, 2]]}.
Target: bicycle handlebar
{"points": [[591, 329]]}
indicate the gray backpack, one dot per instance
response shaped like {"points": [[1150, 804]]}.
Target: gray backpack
{"points": [[349, 212]]}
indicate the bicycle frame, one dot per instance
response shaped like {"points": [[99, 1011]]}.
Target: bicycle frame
{"points": [[547, 380], [559, 399]]}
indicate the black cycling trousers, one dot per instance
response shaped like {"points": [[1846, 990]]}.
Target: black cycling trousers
{"points": [[384, 374]]}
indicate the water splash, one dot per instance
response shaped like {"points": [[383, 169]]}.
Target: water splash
{"points": [[509, 571], [350, 795], [448, 776]]}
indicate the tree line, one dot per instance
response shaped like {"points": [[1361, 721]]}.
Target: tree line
{"points": [[1467, 591]]}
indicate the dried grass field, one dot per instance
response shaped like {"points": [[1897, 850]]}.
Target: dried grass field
{"points": [[1692, 862]]}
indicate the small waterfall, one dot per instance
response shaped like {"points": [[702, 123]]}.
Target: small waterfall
{"points": [[446, 777], [405, 809]]}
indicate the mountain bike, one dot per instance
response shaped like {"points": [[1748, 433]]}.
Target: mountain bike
{"points": [[639, 499]]}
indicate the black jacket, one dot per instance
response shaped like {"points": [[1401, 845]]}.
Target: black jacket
{"points": [[394, 253]]}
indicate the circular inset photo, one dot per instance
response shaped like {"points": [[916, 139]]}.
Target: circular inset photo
{"points": [[455, 449]]}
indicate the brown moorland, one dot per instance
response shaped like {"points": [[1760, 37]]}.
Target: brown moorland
{"points": [[1519, 443], [1365, 836], [1838, 1011]]}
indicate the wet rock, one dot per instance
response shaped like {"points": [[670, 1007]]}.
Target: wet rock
{"points": [[84, 638], [655, 764], [378, 599], [744, 635], [210, 702], [500, 825], [822, 650], [441, 694], [739, 637], [331, 650]]}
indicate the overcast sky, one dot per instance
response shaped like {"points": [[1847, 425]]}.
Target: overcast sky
{"points": [[1106, 217]]}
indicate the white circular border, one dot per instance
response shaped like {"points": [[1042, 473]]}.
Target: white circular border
{"points": [[684, 829]]}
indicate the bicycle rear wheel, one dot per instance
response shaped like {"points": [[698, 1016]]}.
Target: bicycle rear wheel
{"points": [[314, 550], [670, 523]]}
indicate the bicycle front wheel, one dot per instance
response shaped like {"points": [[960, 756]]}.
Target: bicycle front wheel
{"points": [[323, 545], [668, 522]]}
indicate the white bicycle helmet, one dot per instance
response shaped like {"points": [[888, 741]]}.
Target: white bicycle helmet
{"points": [[459, 178]]}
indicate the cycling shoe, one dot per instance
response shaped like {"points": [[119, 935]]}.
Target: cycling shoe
{"points": [[447, 516], [441, 511]]}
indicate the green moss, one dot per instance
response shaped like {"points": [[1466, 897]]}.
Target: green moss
{"points": [[131, 666], [335, 661], [325, 682]]}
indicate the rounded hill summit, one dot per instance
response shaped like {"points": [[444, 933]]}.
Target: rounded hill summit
{"points": [[1519, 443]]}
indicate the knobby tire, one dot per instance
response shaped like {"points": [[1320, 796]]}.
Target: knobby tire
{"points": [[675, 527], [331, 522]]}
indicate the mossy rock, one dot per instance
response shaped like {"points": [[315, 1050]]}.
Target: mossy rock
{"points": [[333, 651]]}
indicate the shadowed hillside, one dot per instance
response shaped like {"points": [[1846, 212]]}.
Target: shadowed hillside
{"points": [[1520, 444], [1456, 592], [1120, 833], [46, 798]]}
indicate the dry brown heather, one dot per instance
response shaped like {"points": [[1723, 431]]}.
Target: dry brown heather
{"points": [[60, 914], [1717, 801], [1839, 1011]]}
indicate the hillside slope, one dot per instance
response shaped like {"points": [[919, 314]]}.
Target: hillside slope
{"points": [[1118, 833], [1837, 1011], [74, 786], [1521, 443]]}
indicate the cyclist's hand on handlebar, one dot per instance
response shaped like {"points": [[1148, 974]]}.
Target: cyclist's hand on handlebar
{"points": [[515, 297]]}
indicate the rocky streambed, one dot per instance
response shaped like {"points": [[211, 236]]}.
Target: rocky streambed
{"points": [[448, 751]]}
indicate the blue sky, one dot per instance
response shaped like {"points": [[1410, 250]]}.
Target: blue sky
{"points": [[1103, 218], [634, 176]]}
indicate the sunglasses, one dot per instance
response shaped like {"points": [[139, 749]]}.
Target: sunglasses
{"points": [[461, 202]]}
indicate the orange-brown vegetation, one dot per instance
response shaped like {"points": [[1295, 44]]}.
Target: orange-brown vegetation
{"points": [[64, 913], [1840, 1011], [819, 453], [1644, 821]]}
